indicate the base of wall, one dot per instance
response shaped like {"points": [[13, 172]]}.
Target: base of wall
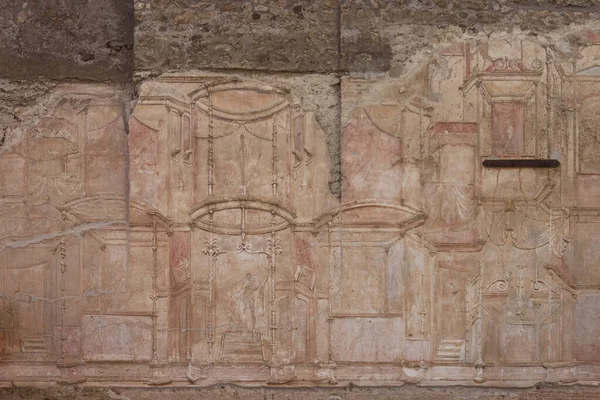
{"points": [[105, 374], [349, 392]]}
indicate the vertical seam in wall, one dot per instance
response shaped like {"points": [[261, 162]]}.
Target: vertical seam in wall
{"points": [[126, 110], [339, 166], [126, 115], [339, 36], [339, 96]]}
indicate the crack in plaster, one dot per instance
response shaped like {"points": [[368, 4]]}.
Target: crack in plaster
{"points": [[76, 230]]}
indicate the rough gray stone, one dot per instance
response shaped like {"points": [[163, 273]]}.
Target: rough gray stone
{"points": [[282, 35], [226, 392], [377, 35], [66, 39]]}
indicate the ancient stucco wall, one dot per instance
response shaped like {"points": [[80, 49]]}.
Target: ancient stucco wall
{"points": [[292, 193]]}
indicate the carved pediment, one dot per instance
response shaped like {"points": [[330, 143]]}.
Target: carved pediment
{"points": [[232, 216], [241, 102], [375, 214], [97, 208], [591, 71]]}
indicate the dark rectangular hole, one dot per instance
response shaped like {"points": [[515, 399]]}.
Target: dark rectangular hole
{"points": [[519, 163]]}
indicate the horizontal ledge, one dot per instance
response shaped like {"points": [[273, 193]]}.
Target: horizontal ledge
{"points": [[521, 163]]}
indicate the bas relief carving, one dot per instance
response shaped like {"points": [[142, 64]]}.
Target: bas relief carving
{"points": [[236, 178], [204, 245], [62, 258]]}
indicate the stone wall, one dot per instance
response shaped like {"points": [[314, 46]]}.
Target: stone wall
{"points": [[294, 193]]}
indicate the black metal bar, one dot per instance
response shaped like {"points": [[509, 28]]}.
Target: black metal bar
{"points": [[521, 163]]}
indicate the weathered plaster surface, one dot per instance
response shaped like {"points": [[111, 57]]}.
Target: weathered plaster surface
{"points": [[293, 195]]}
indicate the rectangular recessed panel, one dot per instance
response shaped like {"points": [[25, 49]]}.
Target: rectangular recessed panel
{"points": [[508, 121]]}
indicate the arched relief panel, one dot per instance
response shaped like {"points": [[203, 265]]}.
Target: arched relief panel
{"points": [[365, 284], [160, 145], [368, 280], [371, 158], [54, 168], [252, 175], [375, 274], [253, 142], [57, 158], [381, 160], [241, 216], [244, 137], [365, 245], [74, 151], [372, 154]]}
